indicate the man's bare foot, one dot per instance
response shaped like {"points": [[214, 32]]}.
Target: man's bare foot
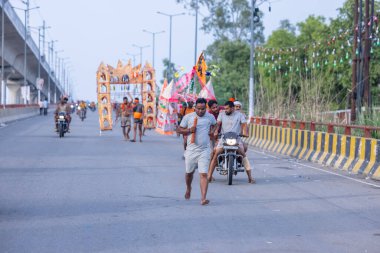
{"points": [[188, 194], [205, 202], [251, 180]]}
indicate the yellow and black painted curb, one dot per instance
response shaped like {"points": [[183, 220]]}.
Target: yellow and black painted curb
{"points": [[356, 155]]}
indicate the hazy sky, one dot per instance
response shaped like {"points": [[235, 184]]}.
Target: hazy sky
{"points": [[92, 31]]}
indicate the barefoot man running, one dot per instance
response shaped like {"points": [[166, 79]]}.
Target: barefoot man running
{"points": [[197, 155]]}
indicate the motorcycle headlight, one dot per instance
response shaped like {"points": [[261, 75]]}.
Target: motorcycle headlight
{"points": [[231, 142], [61, 116]]}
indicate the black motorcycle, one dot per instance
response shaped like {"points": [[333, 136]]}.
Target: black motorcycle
{"points": [[230, 162], [62, 124]]}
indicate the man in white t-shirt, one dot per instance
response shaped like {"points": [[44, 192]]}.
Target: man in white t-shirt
{"points": [[198, 126], [230, 121]]}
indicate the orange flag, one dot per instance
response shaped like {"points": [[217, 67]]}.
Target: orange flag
{"points": [[201, 69]]}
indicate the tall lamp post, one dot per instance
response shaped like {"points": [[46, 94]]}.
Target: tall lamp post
{"points": [[43, 27], [141, 48], [251, 95], [153, 42], [170, 37], [26, 33], [50, 60], [196, 33], [133, 57], [3, 88], [65, 65], [56, 74]]}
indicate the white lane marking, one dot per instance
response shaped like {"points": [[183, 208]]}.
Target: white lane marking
{"points": [[322, 170]]}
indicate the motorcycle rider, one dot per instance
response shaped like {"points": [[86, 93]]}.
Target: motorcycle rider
{"points": [[63, 106], [230, 121], [82, 106]]}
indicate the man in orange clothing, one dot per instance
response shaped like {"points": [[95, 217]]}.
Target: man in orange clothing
{"points": [[138, 115]]}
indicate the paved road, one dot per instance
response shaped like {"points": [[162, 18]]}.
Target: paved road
{"points": [[91, 193]]}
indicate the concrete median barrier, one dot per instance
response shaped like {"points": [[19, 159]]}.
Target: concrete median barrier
{"points": [[356, 155], [17, 112]]}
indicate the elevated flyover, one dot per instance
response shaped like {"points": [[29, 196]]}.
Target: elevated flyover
{"points": [[14, 39]]}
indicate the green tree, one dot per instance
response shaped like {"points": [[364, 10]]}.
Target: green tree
{"points": [[232, 57], [312, 29], [169, 70], [281, 38], [286, 25], [228, 19]]}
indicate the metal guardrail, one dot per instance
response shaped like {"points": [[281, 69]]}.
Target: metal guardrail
{"points": [[367, 131]]}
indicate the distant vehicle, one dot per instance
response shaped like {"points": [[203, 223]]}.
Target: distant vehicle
{"points": [[92, 106], [62, 124], [81, 113]]}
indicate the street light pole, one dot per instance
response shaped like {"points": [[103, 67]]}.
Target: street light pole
{"points": [[39, 65], [50, 60], [25, 38], [64, 65], [43, 28], [196, 33], [55, 73], [154, 37], [3, 88], [251, 95], [134, 58], [170, 38], [141, 48], [26, 21]]}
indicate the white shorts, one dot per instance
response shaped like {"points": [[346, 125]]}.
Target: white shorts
{"points": [[125, 121], [197, 160]]}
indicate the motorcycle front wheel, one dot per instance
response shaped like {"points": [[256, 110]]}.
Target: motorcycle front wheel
{"points": [[230, 171], [61, 130]]}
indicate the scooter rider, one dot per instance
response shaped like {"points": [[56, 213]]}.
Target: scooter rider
{"points": [[230, 121], [62, 106]]}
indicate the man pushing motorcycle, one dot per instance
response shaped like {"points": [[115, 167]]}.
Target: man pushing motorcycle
{"points": [[230, 120]]}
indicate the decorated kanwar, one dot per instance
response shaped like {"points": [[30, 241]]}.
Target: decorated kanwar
{"points": [[126, 81]]}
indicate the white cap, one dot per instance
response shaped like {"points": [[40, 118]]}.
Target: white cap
{"points": [[238, 103]]}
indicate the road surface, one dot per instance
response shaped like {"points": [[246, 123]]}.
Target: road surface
{"points": [[92, 193]]}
